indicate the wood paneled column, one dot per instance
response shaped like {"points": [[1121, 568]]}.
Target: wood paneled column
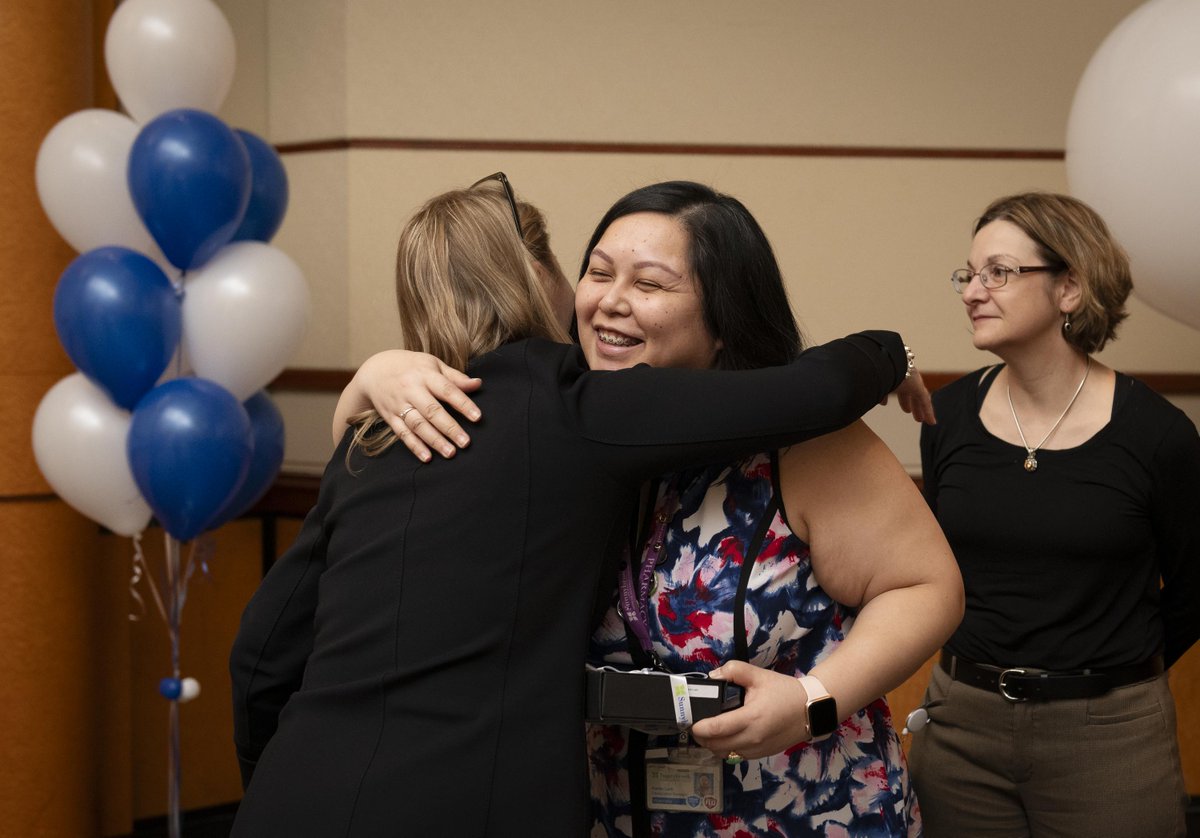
{"points": [[55, 586]]}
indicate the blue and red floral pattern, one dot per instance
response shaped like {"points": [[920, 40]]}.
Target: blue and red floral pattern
{"points": [[854, 783]]}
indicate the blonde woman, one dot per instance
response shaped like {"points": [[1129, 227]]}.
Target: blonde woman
{"points": [[412, 664]]}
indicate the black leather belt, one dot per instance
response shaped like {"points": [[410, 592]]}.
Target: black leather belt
{"points": [[1024, 683]]}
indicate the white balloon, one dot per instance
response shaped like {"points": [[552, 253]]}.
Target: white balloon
{"points": [[244, 314], [79, 441], [189, 688], [1132, 150], [81, 182], [168, 54]]}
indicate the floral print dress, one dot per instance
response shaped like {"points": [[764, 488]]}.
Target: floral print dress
{"points": [[854, 783]]}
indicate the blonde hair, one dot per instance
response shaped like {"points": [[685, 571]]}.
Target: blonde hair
{"points": [[466, 284], [1071, 234]]}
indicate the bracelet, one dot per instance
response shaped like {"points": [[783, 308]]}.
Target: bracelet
{"points": [[912, 361]]}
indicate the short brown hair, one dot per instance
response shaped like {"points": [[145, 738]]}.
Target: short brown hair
{"points": [[1070, 233]]}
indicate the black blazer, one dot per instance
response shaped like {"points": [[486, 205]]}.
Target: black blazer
{"points": [[413, 664]]}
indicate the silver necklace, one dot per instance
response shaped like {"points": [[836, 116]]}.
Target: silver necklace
{"points": [[1031, 462]]}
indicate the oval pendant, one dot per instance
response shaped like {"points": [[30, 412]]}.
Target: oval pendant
{"points": [[1031, 463]]}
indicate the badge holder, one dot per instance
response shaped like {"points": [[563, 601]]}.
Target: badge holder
{"points": [[656, 702]]}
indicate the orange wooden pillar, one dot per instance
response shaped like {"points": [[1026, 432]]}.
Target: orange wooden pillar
{"points": [[56, 643]]}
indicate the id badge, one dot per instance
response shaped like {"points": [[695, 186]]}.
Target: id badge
{"points": [[683, 780]]}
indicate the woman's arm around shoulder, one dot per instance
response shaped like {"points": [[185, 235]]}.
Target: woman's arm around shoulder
{"points": [[650, 421]]}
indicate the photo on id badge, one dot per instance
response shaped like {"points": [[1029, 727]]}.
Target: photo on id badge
{"points": [[705, 790], [682, 786]]}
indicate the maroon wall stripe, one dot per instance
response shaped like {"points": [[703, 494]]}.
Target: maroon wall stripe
{"points": [[723, 149]]}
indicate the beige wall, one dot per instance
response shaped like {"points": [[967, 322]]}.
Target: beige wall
{"points": [[864, 242], [865, 72]]}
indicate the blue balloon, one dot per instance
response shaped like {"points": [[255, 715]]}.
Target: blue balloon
{"points": [[268, 191], [189, 176], [170, 688], [189, 450], [119, 318], [266, 426]]}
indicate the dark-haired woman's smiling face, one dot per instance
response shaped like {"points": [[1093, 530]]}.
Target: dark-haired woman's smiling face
{"points": [[638, 303]]}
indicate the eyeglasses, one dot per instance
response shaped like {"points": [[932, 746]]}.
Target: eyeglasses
{"points": [[995, 276], [508, 193]]}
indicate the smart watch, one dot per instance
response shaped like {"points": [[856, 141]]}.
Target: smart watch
{"points": [[821, 711]]}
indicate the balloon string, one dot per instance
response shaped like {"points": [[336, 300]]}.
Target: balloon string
{"points": [[199, 552], [141, 569], [135, 576], [207, 546], [175, 609], [173, 582], [186, 576]]}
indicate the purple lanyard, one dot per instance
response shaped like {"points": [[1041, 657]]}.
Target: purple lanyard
{"points": [[634, 601]]}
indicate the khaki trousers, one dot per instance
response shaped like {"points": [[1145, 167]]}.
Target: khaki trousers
{"points": [[1106, 766]]}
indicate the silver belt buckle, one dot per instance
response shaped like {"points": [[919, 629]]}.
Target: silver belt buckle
{"points": [[1000, 683]]}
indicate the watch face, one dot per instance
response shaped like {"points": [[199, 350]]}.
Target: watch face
{"points": [[822, 717]]}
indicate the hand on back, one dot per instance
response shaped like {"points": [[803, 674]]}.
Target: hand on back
{"points": [[411, 391]]}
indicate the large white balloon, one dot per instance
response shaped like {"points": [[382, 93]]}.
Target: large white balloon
{"points": [[81, 181], [79, 443], [244, 314], [168, 54], [1133, 149]]}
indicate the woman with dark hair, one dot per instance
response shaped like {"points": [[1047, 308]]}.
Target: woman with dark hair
{"points": [[1069, 493], [755, 570], [810, 575], [739, 288], [411, 665]]}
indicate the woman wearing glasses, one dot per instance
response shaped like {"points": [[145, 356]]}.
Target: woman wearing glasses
{"points": [[813, 576], [1068, 492], [411, 666]]}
